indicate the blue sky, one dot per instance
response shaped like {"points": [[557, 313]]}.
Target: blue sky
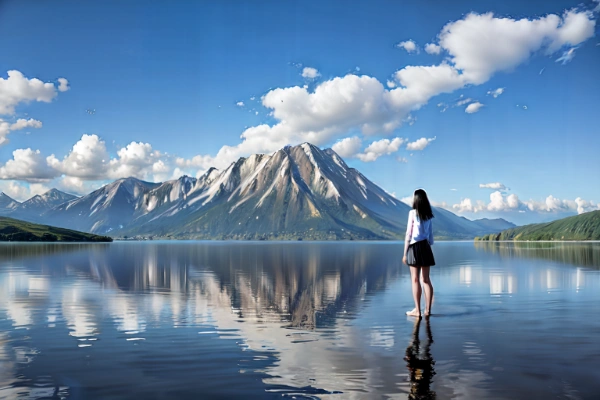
{"points": [[162, 82]]}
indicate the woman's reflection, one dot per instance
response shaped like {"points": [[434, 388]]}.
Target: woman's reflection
{"points": [[420, 364]]}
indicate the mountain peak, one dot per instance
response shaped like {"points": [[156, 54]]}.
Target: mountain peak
{"points": [[57, 194], [53, 191], [47, 200], [129, 179], [4, 195], [7, 202], [133, 185], [307, 145]]}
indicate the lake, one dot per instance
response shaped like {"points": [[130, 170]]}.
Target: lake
{"points": [[189, 320]]}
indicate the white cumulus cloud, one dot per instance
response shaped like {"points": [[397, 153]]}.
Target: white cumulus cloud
{"points": [[432, 48], [409, 45], [136, 159], [63, 85], [27, 165], [310, 73], [6, 127], [352, 103], [465, 205], [18, 89], [552, 204], [493, 185], [419, 144], [90, 160], [25, 123], [335, 107], [467, 40], [584, 206], [347, 147], [22, 191], [196, 162], [500, 202], [380, 148], [495, 93], [473, 107]]}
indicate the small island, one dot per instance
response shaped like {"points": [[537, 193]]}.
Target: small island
{"points": [[584, 226], [14, 230]]}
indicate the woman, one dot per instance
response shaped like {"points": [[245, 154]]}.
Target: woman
{"points": [[417, 251]]}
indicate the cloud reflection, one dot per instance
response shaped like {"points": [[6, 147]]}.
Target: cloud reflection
{"points": [[307, 319], [267, 299]]}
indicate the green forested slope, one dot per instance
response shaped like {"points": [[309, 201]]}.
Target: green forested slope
{"points": [[15, 230], [579, 227]]}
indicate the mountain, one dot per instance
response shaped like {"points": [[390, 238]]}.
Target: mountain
{"points": [[7, 204], [39, 204], [32, 209], [297, 192], [448, 225], [496, 224], [109, 208], [14, 230], [579, 227]]}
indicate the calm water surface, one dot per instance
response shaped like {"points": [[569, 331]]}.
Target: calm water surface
{"points": [[164, 320]]}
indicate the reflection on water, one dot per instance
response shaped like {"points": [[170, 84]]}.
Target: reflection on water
{"points": [[578, 253], [320, 320], [420, 364], [501, 284]]}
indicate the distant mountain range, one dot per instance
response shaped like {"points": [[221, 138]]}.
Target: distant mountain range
{"points": [[36, 206], [579, 227], [298, 192]]}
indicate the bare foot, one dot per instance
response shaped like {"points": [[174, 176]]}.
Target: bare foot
{"points": [[427, 313], [414, 313]]}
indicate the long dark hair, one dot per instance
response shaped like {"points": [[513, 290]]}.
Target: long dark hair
{"points": [[421, 205]]}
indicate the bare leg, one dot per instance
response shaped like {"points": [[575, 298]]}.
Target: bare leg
{"points": [[416, 290], [428, 287]]}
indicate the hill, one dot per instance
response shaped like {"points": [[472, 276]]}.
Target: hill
{"points": [[14, 230], [579, 227]]}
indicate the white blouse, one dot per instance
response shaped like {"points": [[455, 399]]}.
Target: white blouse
{"points": [[417, 230]]}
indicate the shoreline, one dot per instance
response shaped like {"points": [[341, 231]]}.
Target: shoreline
{"points": [[115, 240]]}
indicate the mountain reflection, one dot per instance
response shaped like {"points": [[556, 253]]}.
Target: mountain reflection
{"points": [[265, 320], [304, 288], [267, 298]]}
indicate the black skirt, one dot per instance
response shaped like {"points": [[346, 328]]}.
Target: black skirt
{"points": [[419, 254]]}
